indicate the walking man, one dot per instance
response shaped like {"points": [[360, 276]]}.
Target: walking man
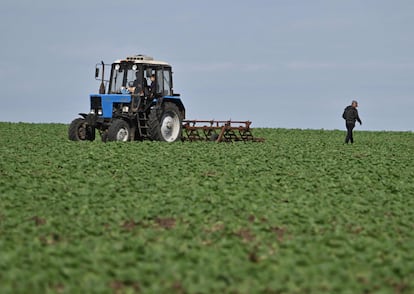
{"points": [[350, 115]]}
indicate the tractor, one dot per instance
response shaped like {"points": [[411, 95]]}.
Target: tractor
{"points": [[140, 104]]}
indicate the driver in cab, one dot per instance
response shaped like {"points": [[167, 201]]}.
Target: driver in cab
{"points": [[137, 86]]}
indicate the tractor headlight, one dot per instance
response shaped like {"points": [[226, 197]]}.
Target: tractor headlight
{"points": [[92, 111], [99, 111], [125, 109]]}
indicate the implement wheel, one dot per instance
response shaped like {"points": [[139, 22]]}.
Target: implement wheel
{"points": [[119, 131], [80, 131], [165, 123]]}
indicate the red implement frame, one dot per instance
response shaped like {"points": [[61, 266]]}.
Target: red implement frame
{"points": [[218, 131]]}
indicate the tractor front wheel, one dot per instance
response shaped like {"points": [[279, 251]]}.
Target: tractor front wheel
{"points": [[80, 131], [119, 130], [165, 124]]}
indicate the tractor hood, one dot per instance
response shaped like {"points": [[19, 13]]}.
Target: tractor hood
{"points": [[105, 102]]}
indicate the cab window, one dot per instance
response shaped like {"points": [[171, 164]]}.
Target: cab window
{"points": [[167, 82]]}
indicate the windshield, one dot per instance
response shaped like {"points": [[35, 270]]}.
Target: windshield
{"points": [[122, 75]]}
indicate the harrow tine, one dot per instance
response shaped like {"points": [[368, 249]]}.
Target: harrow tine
{"points": [[218, 131]]}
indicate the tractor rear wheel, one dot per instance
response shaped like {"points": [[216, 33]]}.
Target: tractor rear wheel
{"points": [[119, 130], [165, 124], [80, 131]]}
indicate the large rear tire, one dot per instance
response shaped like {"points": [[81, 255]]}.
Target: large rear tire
{"points": [[165, 124], [80, 131], [119, 130]]}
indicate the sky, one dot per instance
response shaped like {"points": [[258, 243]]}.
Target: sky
{"points": [[277, 63]]}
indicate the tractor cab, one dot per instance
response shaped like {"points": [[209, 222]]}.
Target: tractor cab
{"points": [[133, 75]]}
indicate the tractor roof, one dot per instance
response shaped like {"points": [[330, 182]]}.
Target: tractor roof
{"points": [[141, 59]]}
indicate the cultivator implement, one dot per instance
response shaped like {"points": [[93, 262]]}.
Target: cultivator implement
{"points": [[218, 131]]}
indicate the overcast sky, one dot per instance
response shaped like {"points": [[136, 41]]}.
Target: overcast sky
{"points": [[278, 63]]}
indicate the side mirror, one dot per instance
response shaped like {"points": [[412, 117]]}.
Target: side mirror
{"points": [[96, 73]]}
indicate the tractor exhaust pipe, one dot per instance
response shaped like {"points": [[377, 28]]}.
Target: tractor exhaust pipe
{"points": [[102, 86]]}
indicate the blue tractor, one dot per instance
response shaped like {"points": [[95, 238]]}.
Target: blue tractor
{"points": [[136, 103]]}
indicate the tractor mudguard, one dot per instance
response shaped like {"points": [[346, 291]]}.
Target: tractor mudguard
{"points": [[177, 101]]}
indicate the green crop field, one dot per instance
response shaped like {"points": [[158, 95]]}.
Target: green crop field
{"points": [[300, 213]]}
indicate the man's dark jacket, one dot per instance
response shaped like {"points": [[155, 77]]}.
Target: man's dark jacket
{"points": [[351, 114]]}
